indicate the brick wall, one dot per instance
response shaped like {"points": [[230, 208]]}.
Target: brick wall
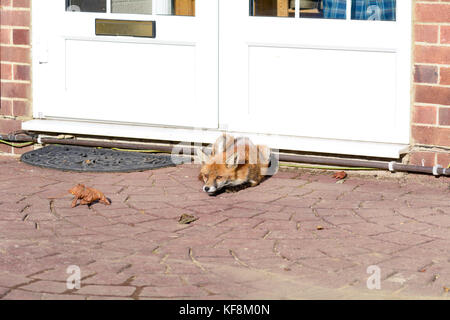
{"points": [[15, 62], [430, 128]]}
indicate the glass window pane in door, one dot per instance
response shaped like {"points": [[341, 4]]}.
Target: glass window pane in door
{"points": [[184, 7], [272, 8], [383, 10], [160, 7], [323, 9], [131, 6], [334, 9], [311, 9], [86, 5]]}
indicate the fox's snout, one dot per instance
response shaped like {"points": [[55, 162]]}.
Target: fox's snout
{"points": [[208, 189]]}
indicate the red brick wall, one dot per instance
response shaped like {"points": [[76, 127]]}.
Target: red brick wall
{"points": [[15, 62], [430, 128]]}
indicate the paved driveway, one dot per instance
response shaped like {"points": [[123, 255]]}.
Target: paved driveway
{"points": [[298, 235]]}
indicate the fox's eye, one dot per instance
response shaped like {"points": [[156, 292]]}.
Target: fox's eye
{"points": [[219, 177]]}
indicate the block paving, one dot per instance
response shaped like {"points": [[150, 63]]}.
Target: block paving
{"points": [[299, 235]]}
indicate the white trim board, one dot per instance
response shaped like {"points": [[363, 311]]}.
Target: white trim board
{"points": [[333, 146]]}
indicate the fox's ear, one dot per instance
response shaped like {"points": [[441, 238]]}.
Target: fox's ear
{"points": [[222, 144], [264, 154], [232, 161], [202, 157]]}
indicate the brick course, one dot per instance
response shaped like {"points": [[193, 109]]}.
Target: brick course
{"points": [[15, 57], [430, 115]]}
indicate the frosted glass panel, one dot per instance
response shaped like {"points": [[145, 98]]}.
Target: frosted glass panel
{"points": [[161, 7], [132, 6]]}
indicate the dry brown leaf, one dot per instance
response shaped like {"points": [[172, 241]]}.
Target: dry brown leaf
{"points": [[187, 218], [340, 175], [87, 195], [446, 289], [319, 228]]}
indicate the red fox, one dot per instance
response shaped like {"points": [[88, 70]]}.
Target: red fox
{"points": [[233, 162]]}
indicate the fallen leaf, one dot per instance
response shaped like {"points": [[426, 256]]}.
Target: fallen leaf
{"points": [[422, 270], [319, 228], [87, 195], [186, 219], [340, 175], [446, 289]]}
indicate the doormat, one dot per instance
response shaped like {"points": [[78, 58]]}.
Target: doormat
{"points": [[89, 159]]}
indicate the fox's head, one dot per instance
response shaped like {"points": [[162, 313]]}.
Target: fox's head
{"points": [[217, 171]]}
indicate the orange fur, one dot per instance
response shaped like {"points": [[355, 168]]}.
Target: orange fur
{"points": [[233, 162]]}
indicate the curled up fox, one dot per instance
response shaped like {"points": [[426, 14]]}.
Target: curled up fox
{"points": [[235, 162]]}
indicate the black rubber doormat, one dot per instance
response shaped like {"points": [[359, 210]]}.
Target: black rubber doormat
{"points": [[88, 159]]}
